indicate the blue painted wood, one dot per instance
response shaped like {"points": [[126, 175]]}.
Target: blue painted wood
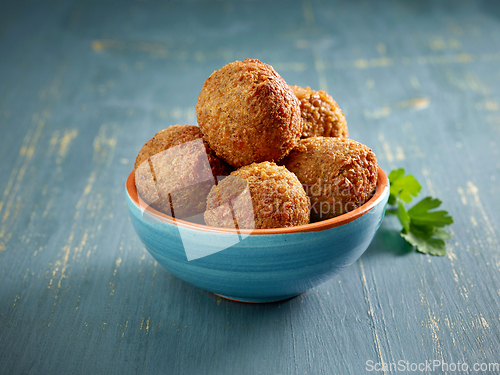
{"points": [[85, 84]]}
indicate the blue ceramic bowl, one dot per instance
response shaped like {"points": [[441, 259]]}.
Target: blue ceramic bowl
{"points": [[262, 265]]}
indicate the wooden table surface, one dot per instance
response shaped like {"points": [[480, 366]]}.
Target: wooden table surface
{"points": [[85, 83]]}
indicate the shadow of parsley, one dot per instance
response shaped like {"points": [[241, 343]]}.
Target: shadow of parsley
{"points": [[388, 240]]}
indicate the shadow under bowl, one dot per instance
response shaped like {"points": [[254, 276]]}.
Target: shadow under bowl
{"points": [[260, 265]]}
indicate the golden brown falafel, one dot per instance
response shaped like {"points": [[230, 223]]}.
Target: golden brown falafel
{"points": [[172, 136], [175, 171], [338, 174], [247, 113], [260, 195], [321, 114]]}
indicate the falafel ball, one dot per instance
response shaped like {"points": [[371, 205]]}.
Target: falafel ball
{"points": [[175, 170], [172, 136], [247, 113], [260, 195], [338, 174], [321, 114]]}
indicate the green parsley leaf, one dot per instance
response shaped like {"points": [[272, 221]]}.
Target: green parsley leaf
{"points": [[420, 214], [442, 233], [403, 216], [424, 244], [422, 227], [403, 186]]}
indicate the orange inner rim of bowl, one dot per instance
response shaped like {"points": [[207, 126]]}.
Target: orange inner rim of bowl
{"points": [[382, 186]]}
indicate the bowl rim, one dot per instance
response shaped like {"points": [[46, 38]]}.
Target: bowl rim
{"points": [[381, 189]]}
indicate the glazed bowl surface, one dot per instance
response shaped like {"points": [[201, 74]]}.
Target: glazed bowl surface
{"points": [[260, 265]]}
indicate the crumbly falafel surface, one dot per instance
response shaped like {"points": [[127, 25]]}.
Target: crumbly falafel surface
{"points": [[338, 174], [258, 196], [176, 169], [320, 113], [247, 113], [172, 136]]}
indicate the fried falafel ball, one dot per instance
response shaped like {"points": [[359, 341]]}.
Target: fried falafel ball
{"points": [[172, 136], [247, 113], [175, 170], [258, 196], [338, 174], [321, 114]]}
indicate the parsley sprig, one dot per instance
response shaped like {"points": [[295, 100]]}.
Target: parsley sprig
{"points": [[422, 227]]}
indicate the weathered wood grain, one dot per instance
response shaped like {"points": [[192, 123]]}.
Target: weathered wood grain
{"points": [[85, 84]]}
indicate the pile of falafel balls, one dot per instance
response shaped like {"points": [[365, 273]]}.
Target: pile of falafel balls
{"points": [[265, 155]]}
